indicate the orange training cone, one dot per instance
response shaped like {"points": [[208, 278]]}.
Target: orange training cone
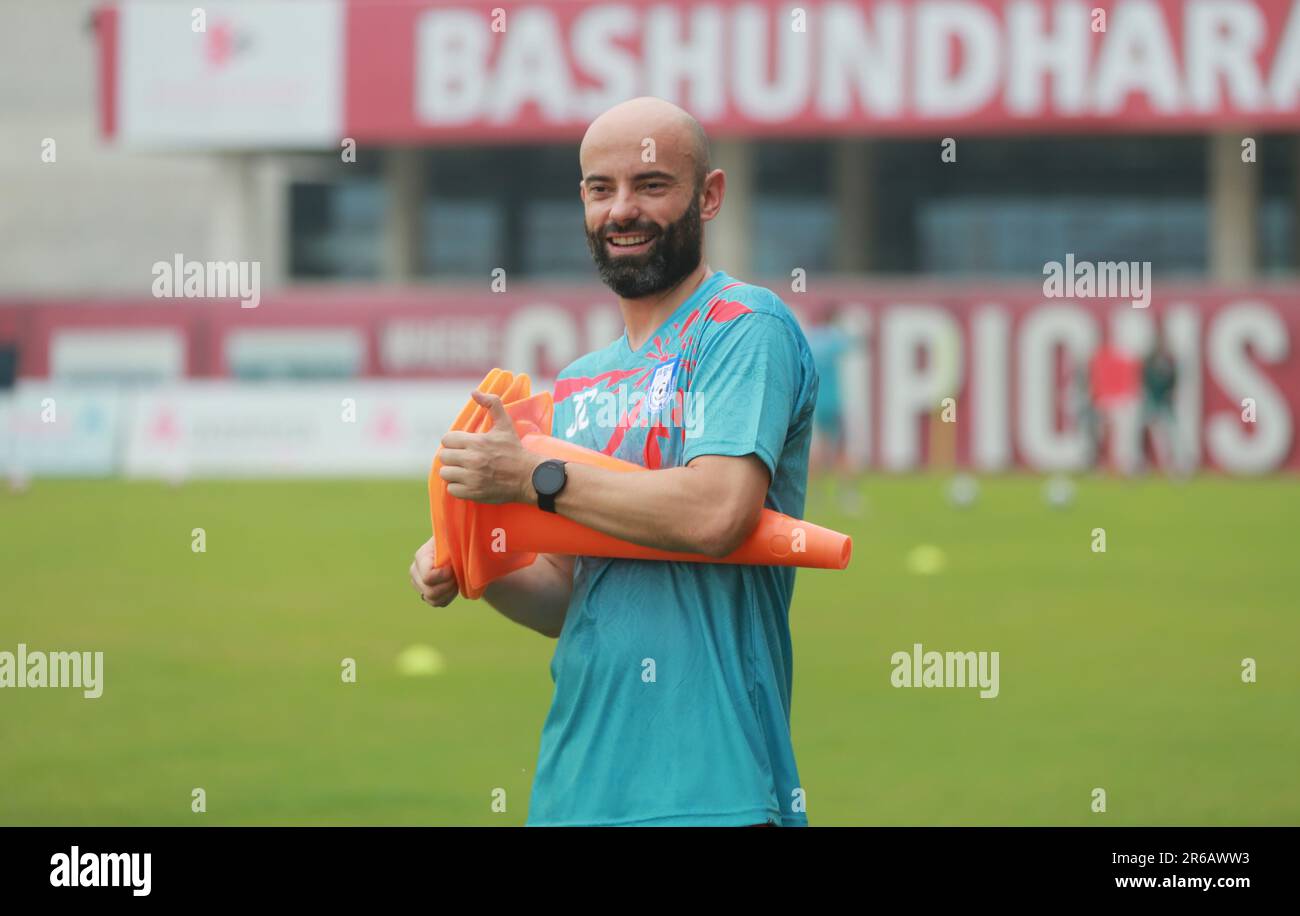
{"points": [[466, 533]]}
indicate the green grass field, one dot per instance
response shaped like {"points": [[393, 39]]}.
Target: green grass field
{"points": [[1119, 670]]}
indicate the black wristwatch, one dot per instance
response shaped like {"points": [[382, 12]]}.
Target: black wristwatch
{"points": [[549, 479]]}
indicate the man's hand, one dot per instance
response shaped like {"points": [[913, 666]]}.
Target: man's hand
{"points": [[436, 584], [490, 467], [536, 596]]}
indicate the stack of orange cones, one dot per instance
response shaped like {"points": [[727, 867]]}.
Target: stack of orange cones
{"points": [[485, 542]]}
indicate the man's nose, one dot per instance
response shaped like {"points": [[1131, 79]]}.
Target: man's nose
{"points": [[624, 209]]}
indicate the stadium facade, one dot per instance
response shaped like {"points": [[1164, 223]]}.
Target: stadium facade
{"points": [[404, 173]]}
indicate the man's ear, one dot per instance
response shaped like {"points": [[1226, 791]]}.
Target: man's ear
{"points": [[715, 189]]}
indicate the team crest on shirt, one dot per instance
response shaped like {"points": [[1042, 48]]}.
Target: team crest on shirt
{"points": [[662, 385]]}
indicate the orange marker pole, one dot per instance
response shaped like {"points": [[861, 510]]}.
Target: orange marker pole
{"points": [[777, 540]]}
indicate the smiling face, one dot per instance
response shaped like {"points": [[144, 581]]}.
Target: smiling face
{"points": [[644, 220], [642, 256]]}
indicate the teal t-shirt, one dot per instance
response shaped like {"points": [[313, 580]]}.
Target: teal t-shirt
{"points": [[673, 680]]}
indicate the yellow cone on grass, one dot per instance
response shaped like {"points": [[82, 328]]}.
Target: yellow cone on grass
{"points": [[420, 661], [926, 560]]}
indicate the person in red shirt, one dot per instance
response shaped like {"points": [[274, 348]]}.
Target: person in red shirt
{"points": [[1116, 382]]}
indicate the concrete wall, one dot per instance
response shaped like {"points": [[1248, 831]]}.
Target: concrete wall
{"points": [[95, 219]]}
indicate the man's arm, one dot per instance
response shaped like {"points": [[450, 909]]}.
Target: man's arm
{"points": [[536, 596], [709, 506], [754, 370]]}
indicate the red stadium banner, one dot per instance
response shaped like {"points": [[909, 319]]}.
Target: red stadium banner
{"points": [[1011, 361], [307, 73]]}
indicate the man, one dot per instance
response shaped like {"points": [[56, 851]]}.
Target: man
{"points": [[829, 344], [672, 680], [1159, 380]]}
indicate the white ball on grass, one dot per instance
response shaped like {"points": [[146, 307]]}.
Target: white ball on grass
{"points": [[963, 490], [1059, 491]]}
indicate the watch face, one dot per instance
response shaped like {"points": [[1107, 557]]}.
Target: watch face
{"points": [[548, 478]]}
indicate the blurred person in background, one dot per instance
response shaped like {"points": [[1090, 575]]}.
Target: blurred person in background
{"points": [[711, 746], [1084, 411], [946, 360], [829, 343], [1159, 382], [1116, 393]]}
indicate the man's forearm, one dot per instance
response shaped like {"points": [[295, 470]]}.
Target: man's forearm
{"points": [[536, 596], [686, 509]]}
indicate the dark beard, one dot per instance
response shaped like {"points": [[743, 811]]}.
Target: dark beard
{"points": [[673, 254]]}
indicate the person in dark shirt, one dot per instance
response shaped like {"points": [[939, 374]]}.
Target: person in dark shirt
{"points": [[1159, 381]]}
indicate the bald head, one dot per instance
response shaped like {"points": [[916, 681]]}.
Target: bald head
{"points": [[624, 128]]}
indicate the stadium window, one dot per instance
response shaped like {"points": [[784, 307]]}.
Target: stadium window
{"points": [[1279, 205], [1007, 206], [511, 207], [555, 242], [793, 214], [336, 219], [464, 216], [460, 237], [1016, 236]]}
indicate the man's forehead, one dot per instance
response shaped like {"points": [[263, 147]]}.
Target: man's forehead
{"points": [[631, 147], [622, 158]]}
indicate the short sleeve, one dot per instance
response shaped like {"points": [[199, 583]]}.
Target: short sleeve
{"points": [[745, 387]]}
